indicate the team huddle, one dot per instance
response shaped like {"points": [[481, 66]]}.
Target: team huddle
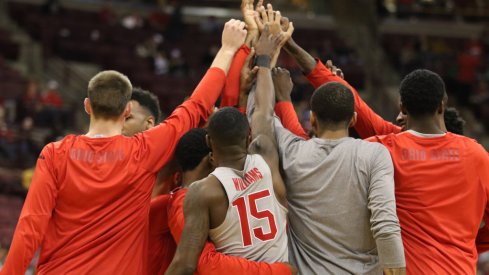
{"points": [[244, 189]]}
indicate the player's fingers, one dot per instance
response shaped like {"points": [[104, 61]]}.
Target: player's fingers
{"points": [[340, 73], [329, 64], [334, 70], [266, 31], [241, 25], [270, 13], [278, 16], [264, 15], [284, 22], [291, 29], [259, 4], [259, 21]]}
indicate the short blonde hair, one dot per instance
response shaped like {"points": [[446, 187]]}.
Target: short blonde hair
{"points": [[109, 92]]}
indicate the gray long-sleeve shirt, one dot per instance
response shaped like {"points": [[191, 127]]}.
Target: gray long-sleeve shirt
{"points": [[342, 211]]}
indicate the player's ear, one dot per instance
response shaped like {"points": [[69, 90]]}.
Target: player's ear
{"points": [[128, 109], [87, 106], [441, 107], [353, 120], [314, 122], [208, 141], [150, 122]]}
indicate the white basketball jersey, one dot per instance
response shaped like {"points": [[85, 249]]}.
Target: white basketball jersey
{"points": [[255, 223]]}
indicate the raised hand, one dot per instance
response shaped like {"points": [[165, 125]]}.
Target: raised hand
{"points": [[249, 14], [247, 77], [268, 43], [234, 35], [282, 83], [335, 70], [287, 28]]}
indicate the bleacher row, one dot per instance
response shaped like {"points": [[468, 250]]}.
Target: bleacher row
{"points": [[70, 34]]}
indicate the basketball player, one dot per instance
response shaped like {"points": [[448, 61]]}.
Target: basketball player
{"points": [[89, 200], [192, 155], [340, 192], [442, 183], [240, 206]]}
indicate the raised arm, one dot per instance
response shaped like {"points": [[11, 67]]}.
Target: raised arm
{"points": [[262, 118], [284, 108], [35, 216], [247, 78], [369, 123], [383, 220], [156, 146]]}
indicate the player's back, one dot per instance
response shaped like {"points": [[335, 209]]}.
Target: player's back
{"points": [[440, 199], [255, 222], [330, 184], [100, 220]]}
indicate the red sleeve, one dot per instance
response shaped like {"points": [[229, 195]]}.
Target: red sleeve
{"points": [[230, 94], [161, 246], [482, 240], [368, 123], [285, 111], [156, 145], [35, 216], [211, 261]]}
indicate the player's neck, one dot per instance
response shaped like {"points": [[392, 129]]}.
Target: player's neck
{"points": [[426, 125], [332, 134], [104, 128], [190, 177], [231, 156]]}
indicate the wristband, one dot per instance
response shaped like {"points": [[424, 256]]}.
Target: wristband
{"points": [[263, 61]]}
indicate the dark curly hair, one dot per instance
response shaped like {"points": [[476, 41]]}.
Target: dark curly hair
{"points": [[191, 149], [333, 103], [147, 100], [453, 121], [422, 92]]}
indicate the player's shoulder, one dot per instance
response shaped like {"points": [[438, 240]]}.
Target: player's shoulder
{"points": [[207, 189], [55, 147], [384, 139], [372, 147], [470, 145]]}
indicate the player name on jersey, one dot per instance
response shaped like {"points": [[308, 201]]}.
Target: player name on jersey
{"points": [[98, 157], [249, 178], [445, 154]]}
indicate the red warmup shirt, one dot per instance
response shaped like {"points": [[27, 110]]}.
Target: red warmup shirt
{"points": [[88, 204], [442, 187], [441, 190], [211, 261], [161, 245]]}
